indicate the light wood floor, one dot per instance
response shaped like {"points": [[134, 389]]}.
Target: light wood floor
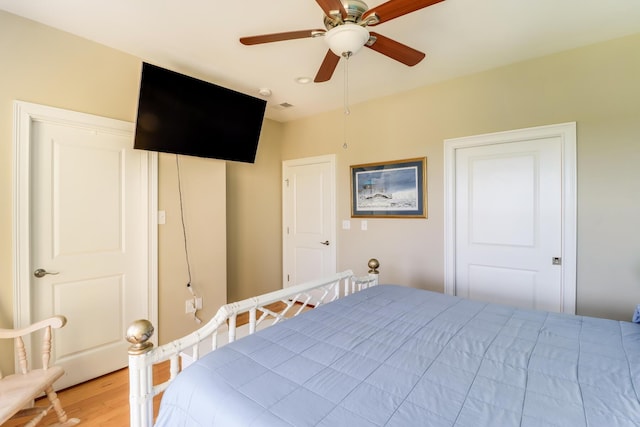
{"points": [[104, 401]]}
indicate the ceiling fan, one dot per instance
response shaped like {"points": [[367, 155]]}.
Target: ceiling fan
{"points": [[345, 22]]}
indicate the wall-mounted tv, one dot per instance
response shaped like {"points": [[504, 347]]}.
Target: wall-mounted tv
{"points": [[183, 115]]}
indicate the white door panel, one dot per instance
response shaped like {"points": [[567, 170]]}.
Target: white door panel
{"points": [[308, 219], [502, 199], [507, 205], [502, 285], [89, 228], [508, 216]]}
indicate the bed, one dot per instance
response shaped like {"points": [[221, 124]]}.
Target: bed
{"points": [[386, 355]]}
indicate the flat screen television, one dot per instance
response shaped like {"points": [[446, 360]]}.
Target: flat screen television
{"points": [[184, 115]]}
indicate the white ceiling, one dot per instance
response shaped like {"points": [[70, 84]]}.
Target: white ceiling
{"points": [[460, 37]]}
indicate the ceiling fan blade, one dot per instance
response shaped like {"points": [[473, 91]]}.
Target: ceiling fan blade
{"points": [[395, 50], [394, 8], [327, 67], [329, 5], [277, 37]]}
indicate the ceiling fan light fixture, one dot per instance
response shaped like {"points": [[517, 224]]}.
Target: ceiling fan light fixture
{"points": [[346, 38]]}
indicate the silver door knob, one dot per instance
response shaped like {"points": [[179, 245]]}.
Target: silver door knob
{"points": [[326, 243], [41, 272]]}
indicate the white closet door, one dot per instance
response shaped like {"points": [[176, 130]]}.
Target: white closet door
{"points": [[508, 216]]}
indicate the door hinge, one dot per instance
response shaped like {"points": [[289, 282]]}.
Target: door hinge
{"points": [[287, 182], [288, 279], [556, 260]]}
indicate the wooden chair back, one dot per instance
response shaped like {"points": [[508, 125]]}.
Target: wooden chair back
{"points": [[18, 391]]}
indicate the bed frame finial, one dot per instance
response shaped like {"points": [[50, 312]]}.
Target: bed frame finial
{"points": [[373, 266], [138, 334]]}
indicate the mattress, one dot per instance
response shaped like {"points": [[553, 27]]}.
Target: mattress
{"points": [[398, 356]]}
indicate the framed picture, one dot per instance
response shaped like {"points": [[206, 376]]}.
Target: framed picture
{"points": [[394, 189]]}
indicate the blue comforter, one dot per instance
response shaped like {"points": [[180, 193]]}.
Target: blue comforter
{"points": [[397, 356]]}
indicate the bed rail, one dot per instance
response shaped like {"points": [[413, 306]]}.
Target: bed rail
{"points": [[222, 329]]}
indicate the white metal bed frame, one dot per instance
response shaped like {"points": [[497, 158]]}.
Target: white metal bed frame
{"points": [[142, 355]]}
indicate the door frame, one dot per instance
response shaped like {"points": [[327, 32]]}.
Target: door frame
{"points": [[25, 114], [567, 134], [331, 159]]}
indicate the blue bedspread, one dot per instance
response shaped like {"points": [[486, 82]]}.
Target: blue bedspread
{"points": [[397, 356]]}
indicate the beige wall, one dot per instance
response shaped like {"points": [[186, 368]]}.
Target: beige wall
{"points": [[52, 68], [203, 187], [254, 219], [233, 222], [45, 66], [597, 86]]}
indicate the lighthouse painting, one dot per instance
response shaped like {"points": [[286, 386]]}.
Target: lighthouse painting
{"points": [[389, 189]]}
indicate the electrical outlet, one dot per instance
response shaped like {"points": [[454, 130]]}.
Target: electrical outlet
{"points": [[192, 305], [189, 307]]}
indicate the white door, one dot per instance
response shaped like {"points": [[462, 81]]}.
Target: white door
{"points": [[508, 215], [89, 235], [308, 219]]}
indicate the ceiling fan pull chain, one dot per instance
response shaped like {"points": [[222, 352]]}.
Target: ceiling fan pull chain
{"points": [[344, 127], [346, 56]]}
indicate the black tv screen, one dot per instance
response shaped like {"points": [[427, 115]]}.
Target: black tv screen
{"points": [[183, 115]]}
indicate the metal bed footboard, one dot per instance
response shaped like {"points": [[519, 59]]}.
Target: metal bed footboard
{"points": [[295, 299]]}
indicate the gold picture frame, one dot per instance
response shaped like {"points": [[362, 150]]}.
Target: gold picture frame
{"points": [[393, 189]]}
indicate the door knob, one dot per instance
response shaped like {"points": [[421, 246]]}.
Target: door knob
{"points": [[41, 272], [326, 243]]}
